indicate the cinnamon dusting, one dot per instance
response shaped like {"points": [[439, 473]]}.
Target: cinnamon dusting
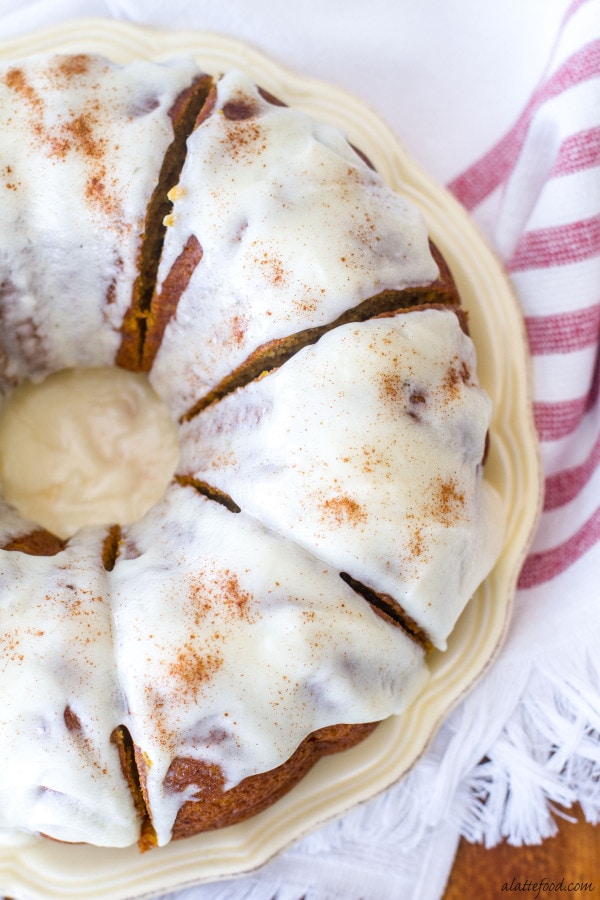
{"points": [[190, 668], [446, 502], [344, 510], [458, 374]]}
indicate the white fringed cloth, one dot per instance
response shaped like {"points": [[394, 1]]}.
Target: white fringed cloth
{"points": [[527, 737]]}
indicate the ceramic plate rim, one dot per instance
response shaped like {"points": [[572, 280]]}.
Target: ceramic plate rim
{"points": [[41, 869]]}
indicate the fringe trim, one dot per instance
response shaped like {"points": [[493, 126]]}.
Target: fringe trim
{"points": [[548, 754], [497, 777]]}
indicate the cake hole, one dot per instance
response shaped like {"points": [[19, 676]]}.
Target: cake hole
{"points": [[86, 447]]}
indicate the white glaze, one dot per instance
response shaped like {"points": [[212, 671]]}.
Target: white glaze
{"points": [[295, 229], [330, 451], [233, 644], [56, 653], [80, 154]]}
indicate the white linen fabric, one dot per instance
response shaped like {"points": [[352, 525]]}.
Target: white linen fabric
{"points": [[501, 102]]}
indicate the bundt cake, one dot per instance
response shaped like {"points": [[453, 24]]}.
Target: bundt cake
{"points": [[327, 518]]}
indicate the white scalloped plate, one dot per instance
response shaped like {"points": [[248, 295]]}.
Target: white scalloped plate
{"points": [[43, 869]]}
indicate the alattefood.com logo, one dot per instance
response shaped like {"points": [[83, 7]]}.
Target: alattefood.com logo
{"points": [[548, 886]]}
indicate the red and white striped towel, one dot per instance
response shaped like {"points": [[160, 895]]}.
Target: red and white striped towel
{"points": [[537, 194]]}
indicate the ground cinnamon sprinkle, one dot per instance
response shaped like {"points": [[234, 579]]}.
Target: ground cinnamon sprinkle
{"points": [[220, 593], [447, 502], [16, 81], [10, 644], [82, 131], [190, 668], [234, 595], [392, 387], [79, 133], [78, 64], [96, 191], [445, 505], [272, 269], [458, 373], [244, 141], [344, 509], [417, 544], [238, 329]]}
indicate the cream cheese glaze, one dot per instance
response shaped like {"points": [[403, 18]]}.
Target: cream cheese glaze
{"points": [[233, 644], [295, 229], [366, 449], [81, 146]]}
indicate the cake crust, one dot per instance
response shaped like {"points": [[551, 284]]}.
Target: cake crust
{"points": [[216, 807]]}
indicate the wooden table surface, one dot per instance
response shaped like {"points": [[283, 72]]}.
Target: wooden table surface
{"points": [[564, 866]]}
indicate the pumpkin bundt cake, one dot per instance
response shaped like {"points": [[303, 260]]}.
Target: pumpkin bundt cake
{"points": [[326, 518]]}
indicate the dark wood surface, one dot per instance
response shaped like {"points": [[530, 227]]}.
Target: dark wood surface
{"points": [[568, 862]]}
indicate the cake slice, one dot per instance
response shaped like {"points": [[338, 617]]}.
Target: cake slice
{"points": [[61, 772], [366, 449], [279, 231], [81, 153], [235, 646]]}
